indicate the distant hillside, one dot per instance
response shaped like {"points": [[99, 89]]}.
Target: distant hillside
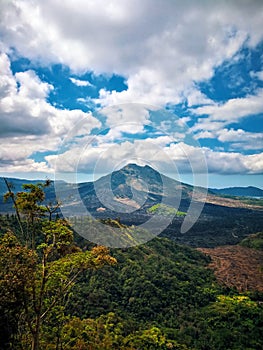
{"points": [[131, 189], [16, 186], [249, 191]]}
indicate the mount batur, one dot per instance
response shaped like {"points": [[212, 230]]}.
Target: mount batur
{"points": [[132, 192]]}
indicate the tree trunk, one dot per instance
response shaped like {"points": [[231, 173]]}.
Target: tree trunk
{"points": [[35, 339]]}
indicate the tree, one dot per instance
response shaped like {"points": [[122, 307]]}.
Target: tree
{"points": [[49, 269], [28, 204], [17, 273]]}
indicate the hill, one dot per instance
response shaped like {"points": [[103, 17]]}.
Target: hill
{"points": [[164, 291], [146, 283], [159, 296], [249, 191]]}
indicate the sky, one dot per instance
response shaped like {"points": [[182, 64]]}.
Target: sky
{"points": [[88, 86]]}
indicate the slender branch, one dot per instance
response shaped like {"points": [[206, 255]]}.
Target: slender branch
{"points": [[11, 194], [52, 210], [62, 292]]}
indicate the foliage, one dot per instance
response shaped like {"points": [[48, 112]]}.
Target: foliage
{"points": [[109, 332], [57, 292], [253, 201], [254, 241], [232, 322], [163, 209], [36, 280], [18, 266], [153, 282]]}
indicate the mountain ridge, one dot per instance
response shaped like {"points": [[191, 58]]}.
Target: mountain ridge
{"points": [[132, 186], [240, 191]]}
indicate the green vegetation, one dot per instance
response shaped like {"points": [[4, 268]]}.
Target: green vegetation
{"points": [[38, 271], [167, 287], [60, 292], [253, 201], [246, 200], [254, 241], [164, 210]]}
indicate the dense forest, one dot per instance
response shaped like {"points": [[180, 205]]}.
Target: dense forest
{"points": [[59, 291]]}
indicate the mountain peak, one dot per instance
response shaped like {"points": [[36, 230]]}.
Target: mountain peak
{"points": [[135, 168]]}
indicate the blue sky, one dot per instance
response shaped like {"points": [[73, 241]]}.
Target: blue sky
{"points": [[91, 86]]}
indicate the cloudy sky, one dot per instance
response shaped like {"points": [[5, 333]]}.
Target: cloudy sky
{"points": [[87, 86]]}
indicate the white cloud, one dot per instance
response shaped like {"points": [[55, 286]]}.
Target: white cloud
{"points": [[238, 139], [239, 135], [29, 123], [160, 47], [79, 82], [159, 153], [30, 86], [196, 98], [26, 166], [131, 117], [254, 163], [232, 111], [258, 75]]}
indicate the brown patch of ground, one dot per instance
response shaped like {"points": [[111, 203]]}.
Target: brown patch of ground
{"points": [[127, 201], [237, 266], [225, 201], [230, 202]]}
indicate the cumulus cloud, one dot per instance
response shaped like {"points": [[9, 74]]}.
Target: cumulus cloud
{"points": [[131, 117], [234, 109], [217, 116], [238, 139], [160, 153], [21, 102], [160, 47], [25, 166], [28, 122]]}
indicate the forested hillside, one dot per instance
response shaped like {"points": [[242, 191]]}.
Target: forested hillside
{"points": [[59, 291]]}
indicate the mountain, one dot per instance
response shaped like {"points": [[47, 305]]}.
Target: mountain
{"points": [[134, 194], [132, 189], [127, 190], [136, 186], [249, 191]]}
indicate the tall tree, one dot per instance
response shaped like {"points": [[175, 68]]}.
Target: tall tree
{"points": [[46, 268]]}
